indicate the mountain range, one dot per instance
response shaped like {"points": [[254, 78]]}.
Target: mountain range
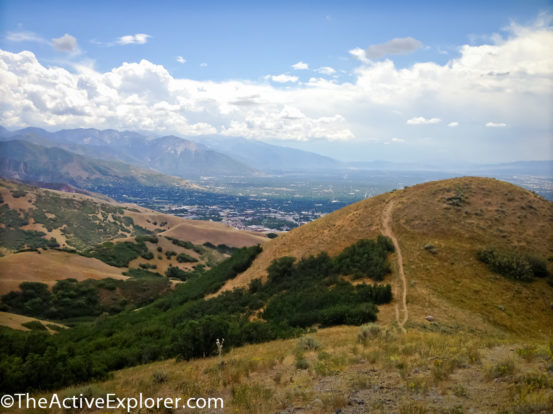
{"points": [[214, 156]]}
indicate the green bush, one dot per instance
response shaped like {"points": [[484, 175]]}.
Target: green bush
{"points": [[118, 254], [184, 258], [34, 326], [513, 264]]}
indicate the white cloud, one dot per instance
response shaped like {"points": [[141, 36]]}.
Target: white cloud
{"points": [[136, 39], [453, 124], [398, 140], [66, 43], [496, 124], [398, 46], [300, 66], [203, 65], [144, 96], [359, 54], [25, 36], [326, 70], [508, 79], [420, 120], [180, 59], [282, 78]]}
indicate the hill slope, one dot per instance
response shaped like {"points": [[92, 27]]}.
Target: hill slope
{"points": [[29, 162], [169, 155], [487, 347], [454, 219], [45, 221]]}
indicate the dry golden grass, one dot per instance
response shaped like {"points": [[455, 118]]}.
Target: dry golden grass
{"points": [[49, 266], [14, 321], [199, 232], [392, 372]]}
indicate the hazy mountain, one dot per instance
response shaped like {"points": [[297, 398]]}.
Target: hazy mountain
{"points": [[169, 155], [26, 161], [267, 157]]}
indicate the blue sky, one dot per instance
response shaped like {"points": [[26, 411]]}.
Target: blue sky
{"points": [[358, 80]]}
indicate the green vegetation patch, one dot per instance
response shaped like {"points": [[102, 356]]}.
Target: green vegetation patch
{"points": [[184, 258], [514, 265], [182, 323], [187, 245], [34, 326], [118, 254]]}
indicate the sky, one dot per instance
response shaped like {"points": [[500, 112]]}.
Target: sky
{"points": [[356, 80]]}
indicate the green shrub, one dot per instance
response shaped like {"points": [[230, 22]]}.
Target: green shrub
{"points": [[34, 326], [308, 343], [118, 254], [302, 363], [148, 255], [184, 258], [176, 273], [141, 273], [513, 265], [368, 333], [501, 369]]}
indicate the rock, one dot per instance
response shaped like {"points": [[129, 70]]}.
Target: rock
{"points": [[429, 318]]}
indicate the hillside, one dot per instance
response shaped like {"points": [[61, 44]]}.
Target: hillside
{"points": [[440, 226], [41, 229], [456, 338], [169, 155], [25, 161]]}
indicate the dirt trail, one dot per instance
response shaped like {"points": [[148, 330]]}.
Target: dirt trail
{"points": [[387, 230]]}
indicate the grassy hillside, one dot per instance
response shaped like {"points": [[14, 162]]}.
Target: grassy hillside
{"points": [[78, 221], [440, 227], [47, 236], [460, 335]]}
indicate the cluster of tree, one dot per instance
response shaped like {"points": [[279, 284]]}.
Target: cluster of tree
{"points": [[118, 254], [184, 324], [221, 248], [515, 265], [187, 245], [366, 258], [70, 298]]}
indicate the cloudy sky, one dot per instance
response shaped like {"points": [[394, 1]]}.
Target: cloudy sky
{"points": [[356, 80]]}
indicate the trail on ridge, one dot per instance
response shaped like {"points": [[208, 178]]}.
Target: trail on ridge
{"points": [[387, 230]]}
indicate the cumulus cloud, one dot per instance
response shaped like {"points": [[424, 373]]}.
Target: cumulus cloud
{"points": [[398, 46], [326, 70], [66, 43], [453, 124], [420, 120], [282, 78], [300, 66], [180, 59], [507, 80], [496, 124], [144, 96], [136, 39]]}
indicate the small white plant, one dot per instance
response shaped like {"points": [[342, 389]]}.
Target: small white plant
{"points": [[220, 348]]}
